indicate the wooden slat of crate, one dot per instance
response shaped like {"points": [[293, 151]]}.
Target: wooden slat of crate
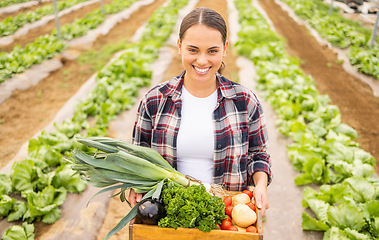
{"points": [[145, 232]]}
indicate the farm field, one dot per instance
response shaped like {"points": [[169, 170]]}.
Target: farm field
{"points": [[28, 112], [355, 99]]}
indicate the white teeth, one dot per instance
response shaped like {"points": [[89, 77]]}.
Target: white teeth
{"points": [[202, 70]]}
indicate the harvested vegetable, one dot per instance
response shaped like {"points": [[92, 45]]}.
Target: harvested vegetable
{"points": [[243, 215], [151, 211], [228, 210], [233, 228], [228, 200], [251, 205], [120, 165], [249, 193], [191, 207], [252, 229], [241, 198], [240, 229], [225, 224], [136, 167]]}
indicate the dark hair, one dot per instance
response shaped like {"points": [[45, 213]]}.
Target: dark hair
{"points": [[209, 18]]}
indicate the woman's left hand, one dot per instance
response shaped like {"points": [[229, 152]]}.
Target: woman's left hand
{"points": [[260, 191]]}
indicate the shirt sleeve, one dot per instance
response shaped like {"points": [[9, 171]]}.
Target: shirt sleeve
{"points": [[259, 159], [142, 126]]}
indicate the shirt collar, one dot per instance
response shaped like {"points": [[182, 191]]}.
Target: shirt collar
{"points": [[174, 86]]}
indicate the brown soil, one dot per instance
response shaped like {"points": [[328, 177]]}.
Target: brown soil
{"points": [[359, 107], [26, 112], [47, 28]]}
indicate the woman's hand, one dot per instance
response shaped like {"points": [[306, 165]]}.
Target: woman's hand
{"points": [[260, 191], [134, 197]]}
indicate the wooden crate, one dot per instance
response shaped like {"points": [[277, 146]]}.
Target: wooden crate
{"points": [[139, 231]]}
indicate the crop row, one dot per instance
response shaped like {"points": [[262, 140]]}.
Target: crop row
{"points": [[340, 32], [5, 3], [116, 87], [11, 24], [323, 151], [47, 46]]}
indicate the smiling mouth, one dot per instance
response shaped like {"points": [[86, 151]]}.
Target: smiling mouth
{"points": [[201, 71]]}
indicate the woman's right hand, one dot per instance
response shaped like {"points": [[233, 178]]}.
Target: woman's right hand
{"points": [[134, 197]]}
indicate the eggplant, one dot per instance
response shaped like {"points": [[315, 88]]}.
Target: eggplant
{"points": [[151, 211]]}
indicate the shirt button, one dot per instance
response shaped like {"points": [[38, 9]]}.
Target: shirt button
{"points": [[219, 146]]}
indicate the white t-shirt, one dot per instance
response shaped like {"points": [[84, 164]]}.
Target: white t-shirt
{"points": [[195, 144]]}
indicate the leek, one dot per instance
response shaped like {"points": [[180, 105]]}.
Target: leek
{"points": [[120, 165]]}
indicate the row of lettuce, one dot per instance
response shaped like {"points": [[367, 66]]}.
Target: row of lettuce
{"points": [[323, 151], [43, 180], [47, 46], [6, 3], [11, 24], [340, 32]]}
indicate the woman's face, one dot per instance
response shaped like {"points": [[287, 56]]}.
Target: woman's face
{"points": [[202, 51]]}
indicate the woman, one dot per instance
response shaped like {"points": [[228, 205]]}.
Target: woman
{"points": [[204, 125]]}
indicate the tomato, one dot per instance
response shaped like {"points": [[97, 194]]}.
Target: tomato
{"points": [[228, 210], [251, 205], [227, 200], [228, 218], [225, 224], [218, 226], [249, 193], [252, 229], [232, 228]]}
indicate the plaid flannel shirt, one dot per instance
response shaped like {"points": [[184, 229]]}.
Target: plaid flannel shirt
{"points": [[239, 127]]}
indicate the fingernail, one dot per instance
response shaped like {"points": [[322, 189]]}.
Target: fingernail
{"points": [[259, 205]]}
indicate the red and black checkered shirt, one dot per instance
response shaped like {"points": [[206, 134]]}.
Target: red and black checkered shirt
{"points": [[240, 131]]}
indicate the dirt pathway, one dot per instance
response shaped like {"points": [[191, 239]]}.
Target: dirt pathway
{"points": [[27, 112], [359, 107], [47, 28]]}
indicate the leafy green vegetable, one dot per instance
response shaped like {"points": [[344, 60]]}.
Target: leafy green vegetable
{"points": [[23, 176], [344, 216], [361, 189], [351, 204], [44, 205], [310, 223], [315, 171], [18, 211], [44, 152], [191, 207], [65, 177], [5, 184], [6, 204], [346, 234], [16, 232], [320, 208]]}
